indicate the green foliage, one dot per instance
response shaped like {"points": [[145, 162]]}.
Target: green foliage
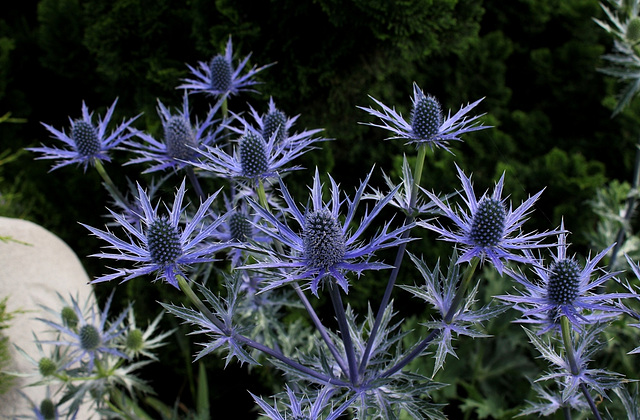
{"points": [[6, 381]]}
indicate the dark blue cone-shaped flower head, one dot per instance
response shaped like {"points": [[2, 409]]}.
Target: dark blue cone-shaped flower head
{"points": [[221, 73], [240, 228], [220, 78], [427, 125], [324, 242], [565, 288], [253, 155], [426, 117], [325, 247], [487, 224], [86, 138], [164, 243], [87, 142], [275, 123], [276, 128], [179, 138], [563, 283]]}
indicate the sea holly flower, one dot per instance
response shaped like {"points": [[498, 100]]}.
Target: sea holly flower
{"points": [[92, 337], [254, 157], [304, 408], [220, 78], [427, 125], [565, 288], [276, 123], [181, 138], [86, 142], [159, 245], [488, 230], [325, 245]]}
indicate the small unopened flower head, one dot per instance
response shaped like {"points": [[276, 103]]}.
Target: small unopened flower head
{"points": [[324, 242], [134, 341], [163, 240], [48, 409], [85, 137], [564, 278], [69, 317], [253, 155], [240, 228], [487, 224], [47, 367], [179, 138], [89, 337], [275, 123], [221, 73], [633, 29], [426, 117]]}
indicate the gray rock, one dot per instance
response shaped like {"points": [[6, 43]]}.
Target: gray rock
{"points": [[34, 265]]}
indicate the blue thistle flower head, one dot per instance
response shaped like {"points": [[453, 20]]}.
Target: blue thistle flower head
{"points": [[86, 141], [323, 239], [426, 116], [427, 125], [221, 73], [85, 137], [275, 124], [220, 78], [276, 127], [254, 157], [488, 230], [324, 247], [181, 138], [240, 227], [160, 244], [565, 288]]}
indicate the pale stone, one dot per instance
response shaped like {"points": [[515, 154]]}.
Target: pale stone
{"points": [[34, 265]]}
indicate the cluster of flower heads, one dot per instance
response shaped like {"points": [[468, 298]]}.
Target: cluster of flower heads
{"points": [[276, 242], [90, 354]]}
